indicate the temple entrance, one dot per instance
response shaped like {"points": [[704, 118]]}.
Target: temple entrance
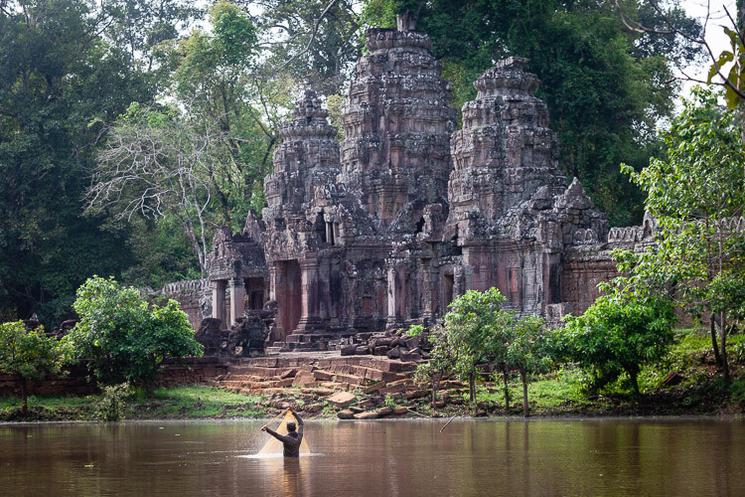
{"points": [[255, 291], [288, 293], [449, 284]]}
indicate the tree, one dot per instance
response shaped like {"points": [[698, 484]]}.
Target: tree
{"points": [[60, 82], [123, 337], [474, 326], [527, 351], [68, 68], [156, 165], [618, 333], [312, 41], [697, 196], [441, 359], [28, 355], [606, 87]]}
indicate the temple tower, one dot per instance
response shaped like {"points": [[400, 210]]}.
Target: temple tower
{"points": [[397, 125], [306, 164], [504, 153]]}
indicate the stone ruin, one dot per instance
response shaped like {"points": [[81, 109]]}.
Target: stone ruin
{"points": [[384, 229]]}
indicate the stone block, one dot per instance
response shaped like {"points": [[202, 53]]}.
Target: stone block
{"points": [[341, 399]]}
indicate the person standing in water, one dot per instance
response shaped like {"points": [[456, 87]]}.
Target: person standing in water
{"points": [[294, 437]]}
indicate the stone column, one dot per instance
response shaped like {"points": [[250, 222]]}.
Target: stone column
{"points": [[310, 299], [429, 290], [273, 289], [218, 299], [396, 295], [237, 299]]}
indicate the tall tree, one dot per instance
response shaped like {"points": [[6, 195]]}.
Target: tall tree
{"points": [[697, 196], [59, 82], [315, 42]]}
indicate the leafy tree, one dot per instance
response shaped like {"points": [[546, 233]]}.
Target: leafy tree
{"points": [[28, 355], [618, 333], [441, 358], [478, 332], [311, 41], [527, 351], [604, 84], [124, 338], [474, 325], [697, 196], [61, 82]]}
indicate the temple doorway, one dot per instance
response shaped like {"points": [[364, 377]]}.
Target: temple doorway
{"points": [[289, 295]]}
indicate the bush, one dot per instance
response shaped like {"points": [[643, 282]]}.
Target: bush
{"points": [[28, 355], [113, 402], [124, 338], [617, 334]]}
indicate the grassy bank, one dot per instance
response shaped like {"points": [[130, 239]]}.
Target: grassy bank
{"points": [[185, 402], [685, 382]]}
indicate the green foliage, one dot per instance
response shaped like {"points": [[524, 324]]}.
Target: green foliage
{"points": [[697, 195], [60, 84], [476, 327], [312, 42], [124, 338], [28, 355], [415, 330], [617, 334], [527, 346], [235, 34], [113, 402], [479, 332]]}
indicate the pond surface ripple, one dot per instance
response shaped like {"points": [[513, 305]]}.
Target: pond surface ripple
{"points": [[611, 457]]}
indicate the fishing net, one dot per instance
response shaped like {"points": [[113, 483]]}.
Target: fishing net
{"points": [[274, 446]]}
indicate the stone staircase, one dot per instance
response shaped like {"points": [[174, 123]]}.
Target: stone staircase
{"points": [[325, 374]]}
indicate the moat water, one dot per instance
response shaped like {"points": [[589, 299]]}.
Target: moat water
{"points": [[615, 458]]}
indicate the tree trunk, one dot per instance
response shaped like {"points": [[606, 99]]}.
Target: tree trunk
{"points": [[24, 396], [633, 376], [506, 380], [524, 379], [714, 342], [435, 384], [472, 387], [723, 352]]}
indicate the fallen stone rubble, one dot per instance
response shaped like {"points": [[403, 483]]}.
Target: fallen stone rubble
{"points": [[391, 344], [350, 387]]}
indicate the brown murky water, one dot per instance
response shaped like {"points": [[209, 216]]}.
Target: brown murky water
{"points": [[615, 458]]}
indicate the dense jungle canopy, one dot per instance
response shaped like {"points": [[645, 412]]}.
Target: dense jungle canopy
{"points": [[211, 82]]}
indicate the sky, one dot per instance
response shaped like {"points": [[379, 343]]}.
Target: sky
{"points": [[714, 34]]}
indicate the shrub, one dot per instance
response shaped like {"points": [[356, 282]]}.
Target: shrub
{"points": [[125, 339], [617, 334], [28, 355], [113, 402]]}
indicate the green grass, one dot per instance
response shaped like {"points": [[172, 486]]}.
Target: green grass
{"points": [[701, 388], [194, 402], [183, 402]]}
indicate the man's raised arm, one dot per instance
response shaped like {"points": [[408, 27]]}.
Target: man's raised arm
{"points": [[276, 435], [300, 422]]}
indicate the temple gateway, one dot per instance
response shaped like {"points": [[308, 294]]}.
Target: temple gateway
{"points": [[385, 227]]}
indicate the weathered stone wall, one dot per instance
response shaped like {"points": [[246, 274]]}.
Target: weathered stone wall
{"points": [[192, 296], [75, 382]]}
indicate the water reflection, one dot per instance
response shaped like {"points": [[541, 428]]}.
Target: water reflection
{"points": [[620, 458]]}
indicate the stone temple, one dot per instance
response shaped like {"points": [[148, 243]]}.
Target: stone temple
{"points": [[385, 227]]}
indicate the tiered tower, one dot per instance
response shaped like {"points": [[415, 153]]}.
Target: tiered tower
{"points": [[305, 160], [306, 164], [504, 153], [397, 125]]}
